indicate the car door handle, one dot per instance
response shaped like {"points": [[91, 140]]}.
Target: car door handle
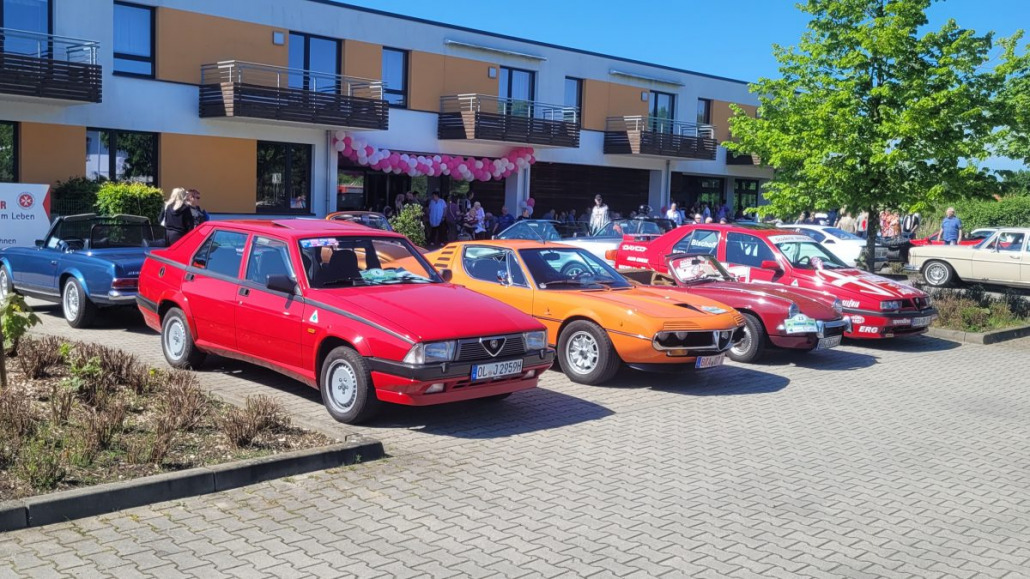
{"points": [[244, 291], [53, 262], [189, 277]]}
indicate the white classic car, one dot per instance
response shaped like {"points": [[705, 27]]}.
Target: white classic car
{"points": [[1003, 258], [844, 245]]}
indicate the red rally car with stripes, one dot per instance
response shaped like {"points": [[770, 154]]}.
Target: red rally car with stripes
{"points": [[877, 307], [356, 312]]}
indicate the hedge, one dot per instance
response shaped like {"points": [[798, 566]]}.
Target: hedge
{"points": [[74, 196], [131, 199], [1011, 211]]}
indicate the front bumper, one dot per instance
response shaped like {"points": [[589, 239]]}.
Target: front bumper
{"points": [[807, 341], [402, 383], [868, 324]]}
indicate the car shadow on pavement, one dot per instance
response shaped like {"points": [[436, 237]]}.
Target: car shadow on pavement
{"points": [[826, 360], [906, 344], [721, 381], [126, 319]]}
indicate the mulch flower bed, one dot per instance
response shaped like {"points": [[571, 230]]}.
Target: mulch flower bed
{"points": [[78, 414]]}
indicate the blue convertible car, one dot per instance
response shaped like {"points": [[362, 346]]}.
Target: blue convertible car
{"points": [[85, 262]]}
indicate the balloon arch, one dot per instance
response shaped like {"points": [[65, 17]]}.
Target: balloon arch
{"points": [[359, 151]]}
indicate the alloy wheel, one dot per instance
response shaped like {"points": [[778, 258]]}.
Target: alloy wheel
{"points": [[582, 353], [71, 300], [343, 386]]}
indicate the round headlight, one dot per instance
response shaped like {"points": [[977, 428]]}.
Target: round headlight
{"points": [[793, 310], [838, 307]]}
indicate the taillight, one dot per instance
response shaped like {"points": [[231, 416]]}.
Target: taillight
{"points": [[125, 283]]}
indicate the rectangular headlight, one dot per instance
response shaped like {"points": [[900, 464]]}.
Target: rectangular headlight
{"points": [[536, 340], [432, 352], [890, 305]]}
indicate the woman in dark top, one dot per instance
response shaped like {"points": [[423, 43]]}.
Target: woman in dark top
{"points": [[176, 216]]}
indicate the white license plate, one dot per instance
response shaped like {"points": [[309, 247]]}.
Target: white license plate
{"points": [[496, 369], [709, 361], [921, 322], [827, 343]]}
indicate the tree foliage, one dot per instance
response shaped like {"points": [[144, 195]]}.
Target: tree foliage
{"points": [[409, 223], [114, 198], [872, 111]]}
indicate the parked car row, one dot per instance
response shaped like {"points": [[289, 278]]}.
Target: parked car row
{"points": [[364, 316]]}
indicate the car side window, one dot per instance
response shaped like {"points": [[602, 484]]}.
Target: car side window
{"points": [[744, 249], [684, 243], [221, 253], [484, 263], [268, 257], [1010, 241], [701, 241]]}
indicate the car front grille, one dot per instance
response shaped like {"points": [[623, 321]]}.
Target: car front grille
{"points": [[472, 349]]}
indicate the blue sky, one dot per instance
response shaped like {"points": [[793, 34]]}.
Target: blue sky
{"points": [[731, 39]]}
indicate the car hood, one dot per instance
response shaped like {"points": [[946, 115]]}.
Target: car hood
{"points": [[658, 302], [428, 312], [767, 298], [854, 285]]}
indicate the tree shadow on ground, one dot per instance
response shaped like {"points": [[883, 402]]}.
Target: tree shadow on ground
{"points": [[720, 381]]}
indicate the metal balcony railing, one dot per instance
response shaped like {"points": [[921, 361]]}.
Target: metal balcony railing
{"points": [[660, 125], [472, 102], [265, 75], [48, 46]]}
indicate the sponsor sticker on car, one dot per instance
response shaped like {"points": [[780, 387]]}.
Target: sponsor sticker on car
{"points": [[496, 369], [800, 324], [709, 361], [869, 330]]}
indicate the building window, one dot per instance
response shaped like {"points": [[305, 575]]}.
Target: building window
{"points": [[573, 98], [8, 152], [704, 111], [319, 58], [121, 156], [133, 40], [662, 110], [517, 88], [283, 178], [395, 77], [30, 16]]}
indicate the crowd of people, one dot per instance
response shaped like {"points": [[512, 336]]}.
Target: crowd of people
{"points": [[181, 213]]}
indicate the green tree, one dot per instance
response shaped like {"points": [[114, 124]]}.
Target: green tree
{"points": [[873, 112]]}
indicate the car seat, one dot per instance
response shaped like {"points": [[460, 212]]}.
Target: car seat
{"points": [[342, 266]]}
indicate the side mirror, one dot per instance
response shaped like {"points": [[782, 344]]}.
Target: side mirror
{"points": [[40, 243], [829, 241], [281, 283], [502, 277], [200, 262], [446, 275], [771, 264]]}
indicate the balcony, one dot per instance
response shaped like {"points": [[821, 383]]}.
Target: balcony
{"points": [[45, 67], [489, 118], [234, 89], [658, 137]]}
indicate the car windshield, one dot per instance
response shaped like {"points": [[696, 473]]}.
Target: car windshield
{"points": [[692, 268], [841, 234], [531, 230], [621, 227], [106, 232], [363, 261], [373, 220], [803, 253], [563, 268]]}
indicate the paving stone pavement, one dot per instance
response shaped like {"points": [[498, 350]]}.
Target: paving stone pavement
{"points": [[905, 459]]}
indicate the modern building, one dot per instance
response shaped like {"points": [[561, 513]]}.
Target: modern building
{"points": [[245, 100]]}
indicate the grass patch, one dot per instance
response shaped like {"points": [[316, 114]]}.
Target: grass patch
{"points": [[974, 310], [78, 414]]}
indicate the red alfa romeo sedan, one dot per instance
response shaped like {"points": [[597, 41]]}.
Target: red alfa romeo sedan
{"points": [[355, 312], [876, 306]]}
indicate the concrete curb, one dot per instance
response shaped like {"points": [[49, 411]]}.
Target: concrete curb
{"points": [[985, 339], [110, 497]]}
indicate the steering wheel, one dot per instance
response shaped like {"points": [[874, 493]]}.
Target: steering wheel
{"points": [[574, 270], [804, 260]]}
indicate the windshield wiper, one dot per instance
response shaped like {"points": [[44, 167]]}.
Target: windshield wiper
{"points": [[575, 282], [349, 281]]}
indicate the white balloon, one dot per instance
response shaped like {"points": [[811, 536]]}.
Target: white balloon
{"points": [[437, 158], [338, 145], [340, 135]]}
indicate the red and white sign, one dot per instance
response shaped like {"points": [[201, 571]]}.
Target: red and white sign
{"points": [[24, 213]]}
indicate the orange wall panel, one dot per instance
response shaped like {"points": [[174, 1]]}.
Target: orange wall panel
{"points": [[362, 59], [50, 153], [434, 75], [721, 113], [607, 99], [186, 40], [223, 169]]}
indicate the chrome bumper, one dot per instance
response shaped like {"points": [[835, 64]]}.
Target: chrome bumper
{"points": [[823, 326]]}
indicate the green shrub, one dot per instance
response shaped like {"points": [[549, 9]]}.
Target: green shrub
{"points": [[41, 461], [74, 196], [1013, 210], [409, 224], [131, 199]]}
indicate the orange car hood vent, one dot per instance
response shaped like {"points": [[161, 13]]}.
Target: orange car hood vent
{"points": [[680, 326]]}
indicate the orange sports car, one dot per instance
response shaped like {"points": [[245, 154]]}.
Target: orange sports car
{"points": [[595, 316]]}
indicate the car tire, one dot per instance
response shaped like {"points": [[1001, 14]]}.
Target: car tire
{"points": [[752, 345], [177, 342], [586, 353], [76, 306], [346, 387], [938, 273], [6, 287]]}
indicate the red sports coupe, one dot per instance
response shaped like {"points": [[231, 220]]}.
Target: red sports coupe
{"points": [[355, 312], [877, 307]]}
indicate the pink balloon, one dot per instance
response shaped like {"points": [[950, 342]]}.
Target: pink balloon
{"points": [[347, 140]]}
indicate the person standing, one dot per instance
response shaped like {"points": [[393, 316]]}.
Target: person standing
{"points": [[176, 216], [199, 215], [847, 223], [437, 209], [453, 217], [598, 215], [951, 228], [479, 220], [505, 221], [674, 215]]}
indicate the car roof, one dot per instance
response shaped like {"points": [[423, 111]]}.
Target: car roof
{"points": [[757, 229], [514, 243], [301, 228]]}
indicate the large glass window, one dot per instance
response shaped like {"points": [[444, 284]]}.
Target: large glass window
{"points": [[121, 155], [395, 76], [283, 177], [8, 152], [745, 194], [519, 87], [30, 16], [573, 99], [320, 59], [133, 40], [663, 111], [704, 111]]}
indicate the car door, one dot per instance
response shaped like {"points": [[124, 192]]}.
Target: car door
{"points": [[269, 322], [745, 255], [498, 273], [210, 285], [37, 269], [1000, 260]]}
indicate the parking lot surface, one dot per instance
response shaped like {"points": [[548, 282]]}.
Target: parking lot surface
{"points": [[906, 458]]}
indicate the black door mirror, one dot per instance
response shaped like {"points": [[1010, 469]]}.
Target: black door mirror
{"points": [[40, 243], [281, 283], [446, 275]]}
